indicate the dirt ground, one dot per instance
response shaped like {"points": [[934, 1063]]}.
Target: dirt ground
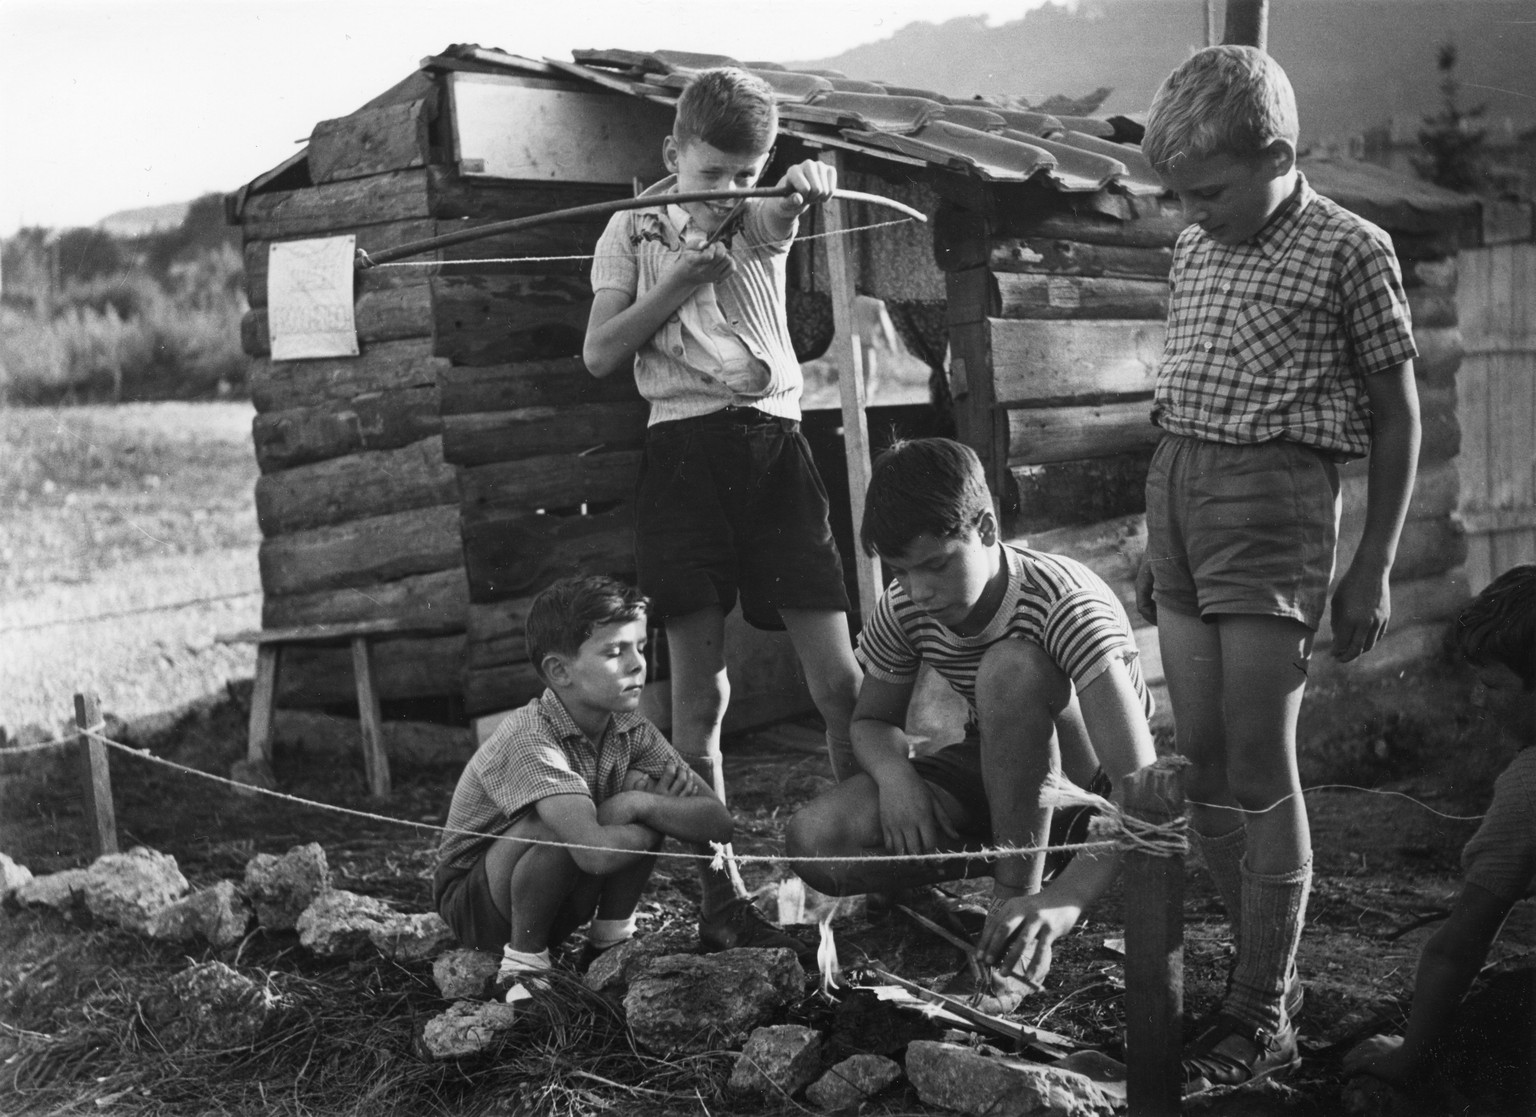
{"points": [[71, 1039]]}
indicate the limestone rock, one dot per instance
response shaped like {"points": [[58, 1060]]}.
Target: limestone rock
{"points": [[218, 914], [465, 975], [779, 1060], [211, 1006], [12, 877], [956, 1077], [853, 1081], [412, 938], [616, 967], [129, 888], [54, 890], [691, 1003], [341, 924], [466, 1028], [280, 888]]}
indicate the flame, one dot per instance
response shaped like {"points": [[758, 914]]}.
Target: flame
{"points": [[826, 956]]}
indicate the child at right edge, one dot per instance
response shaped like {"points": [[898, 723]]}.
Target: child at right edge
{"points": [[1288, 351]]}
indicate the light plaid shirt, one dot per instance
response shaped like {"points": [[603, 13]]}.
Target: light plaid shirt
{"points": [[538, 751], [677, 369], [1272, 338]]}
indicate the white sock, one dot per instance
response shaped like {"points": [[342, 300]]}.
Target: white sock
{"points": [[606, 933], [514, 962]]}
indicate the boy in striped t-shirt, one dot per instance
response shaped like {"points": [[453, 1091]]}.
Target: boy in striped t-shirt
{"points": [[1042, 652]]}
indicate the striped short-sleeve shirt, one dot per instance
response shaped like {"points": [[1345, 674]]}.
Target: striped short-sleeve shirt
{"points": [[1272, 338], [633, 252], [1053, 601], [538, 751]]}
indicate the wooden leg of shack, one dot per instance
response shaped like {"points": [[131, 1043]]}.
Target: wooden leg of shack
{"points": [[1154, 952], [371, 719], [263, 704], [95, 777]]}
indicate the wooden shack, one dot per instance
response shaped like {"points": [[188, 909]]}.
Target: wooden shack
{"points": [[465, 458]]}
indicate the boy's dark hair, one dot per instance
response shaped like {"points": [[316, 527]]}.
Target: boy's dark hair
{"points": [[1223, 100], [932, 486], [1500, 624], [729, 109], [566, 613]]}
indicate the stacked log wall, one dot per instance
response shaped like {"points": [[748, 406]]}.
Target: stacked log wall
{"points": [[1060, 306]]}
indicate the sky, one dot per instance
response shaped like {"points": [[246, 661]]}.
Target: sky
{"points": [[117, 104]]}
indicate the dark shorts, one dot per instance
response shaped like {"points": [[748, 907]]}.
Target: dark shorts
{"points": [[1242, 529], [729, 505], [463, 899], [957, 770]]}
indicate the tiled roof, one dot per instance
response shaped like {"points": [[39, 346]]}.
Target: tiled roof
{"points": [[974, 136]]}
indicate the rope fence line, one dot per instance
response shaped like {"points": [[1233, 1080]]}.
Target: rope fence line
{"points": [[593, 255], [167, 607], [1116, 829]]}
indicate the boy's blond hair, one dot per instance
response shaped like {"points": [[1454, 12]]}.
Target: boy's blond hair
{"points": [[729, 109], [1226, 100]]}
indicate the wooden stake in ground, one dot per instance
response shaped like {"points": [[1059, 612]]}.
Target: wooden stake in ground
{"points": [[95, 777], [1154, 951]]}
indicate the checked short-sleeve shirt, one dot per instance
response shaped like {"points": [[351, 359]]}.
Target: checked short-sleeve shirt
{"points": [[1272, 338], [538, 751]]}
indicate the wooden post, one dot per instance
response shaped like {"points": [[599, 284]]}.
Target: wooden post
{"points": [[371, 719], [1154, 951], [850, 387], [95, 778], [263, 703]]}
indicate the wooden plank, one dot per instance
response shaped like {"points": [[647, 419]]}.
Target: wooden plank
{"points": [[978, 422], [1152, 231], [496, 632], [370, 720], [316, 210], [380, 367], [495, 319], [537, 431], [337, 634], [1035, 295], [370, 238], [99, 813], [1045, 361], [551, 481], [402, 669], [362, 552], [441, 597], [507, 387], [851, 387], [372, 141], [354, 487], [383, 315], [1069, 257], [1154, 951], [515, 554], [379, 421], [489, 689], [269, 660], [1055, 434]]}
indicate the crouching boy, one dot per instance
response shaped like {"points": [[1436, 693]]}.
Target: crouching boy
{"points": [[1042, 652], [577, 767]]}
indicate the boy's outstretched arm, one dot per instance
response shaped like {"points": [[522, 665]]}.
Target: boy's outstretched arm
{"points": [[813, 181], [1362, 604], [1019, 931], [911, 820], [619, 324], [1451, 960]]}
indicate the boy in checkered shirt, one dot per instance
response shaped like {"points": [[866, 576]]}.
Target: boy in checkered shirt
{"points": [[1288, 351], [576, 766]]}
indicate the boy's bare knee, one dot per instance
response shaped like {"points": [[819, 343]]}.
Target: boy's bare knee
{"points": [[1018, 673]]}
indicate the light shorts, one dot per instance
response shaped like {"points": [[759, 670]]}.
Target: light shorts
{"points": [[1248, 529]]}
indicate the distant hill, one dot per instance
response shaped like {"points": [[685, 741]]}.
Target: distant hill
{"points": [[1354, 63], [149, 219]]}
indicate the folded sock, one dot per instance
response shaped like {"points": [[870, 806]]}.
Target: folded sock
{"points": [[514, 962], [1223, 857], [604, 934], [1274, 911]]}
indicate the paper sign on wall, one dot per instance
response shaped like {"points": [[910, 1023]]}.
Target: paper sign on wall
{"points": [[309, 298]]}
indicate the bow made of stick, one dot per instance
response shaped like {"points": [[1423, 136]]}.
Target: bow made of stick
{"points": [[602, 209]]}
